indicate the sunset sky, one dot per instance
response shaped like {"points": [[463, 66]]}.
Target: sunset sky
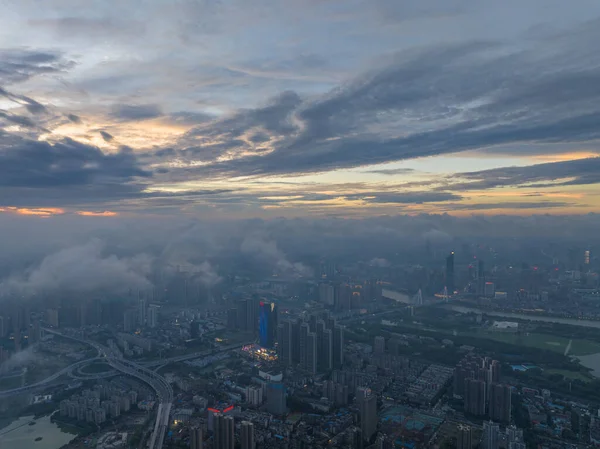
{"points": [[265, 108]]}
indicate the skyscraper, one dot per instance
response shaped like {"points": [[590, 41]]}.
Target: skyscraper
{"points": [[152, 316], [196, 438], [480, 277], [284, 342], [367, 405], [357, 439], [338, 346], [475, 397], [327, 350], [464, 437], [267, 324], [302, 343], [450, 273], [247, 435], [142, 309], [311, 353], [224, 437], [491, 432], [500, 402], [130, 320]]}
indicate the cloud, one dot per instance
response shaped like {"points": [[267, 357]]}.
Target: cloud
{"points": [[392, 171], [130, 112], [405, 197], [82, 269], [106, 136], [265, 250], [19, 65]]}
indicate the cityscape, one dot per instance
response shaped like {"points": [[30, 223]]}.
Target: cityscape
{"points": [[299, 224]]}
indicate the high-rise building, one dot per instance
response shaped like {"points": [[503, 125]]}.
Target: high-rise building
{"points": [[247, 435], [267, 324], [224, 426], [142, 309], [3, 327], [303, 344], [311, 353], [284, 342], [480, 277], [152, 316], [326, 294], [475, 397], [489, 290], [357, 438], [367, 405], [52, 317], [130, 318], [36, 332], [500, 403], [232, 319], [491, 432], [276, 401], [379, 345], [338, 346], [327, 350], [464, 437], [450, 273], [196, 438], [586, 257]]}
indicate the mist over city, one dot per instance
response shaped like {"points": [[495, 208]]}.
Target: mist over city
{"points": [[299, 224]]}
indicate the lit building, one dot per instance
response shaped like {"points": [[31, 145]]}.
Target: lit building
{"points": [[267, 324]]}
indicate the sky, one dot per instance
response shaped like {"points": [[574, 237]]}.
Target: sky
{"points": [[299, 108]]}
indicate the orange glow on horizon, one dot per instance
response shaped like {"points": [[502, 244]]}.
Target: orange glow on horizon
{"points": [[106, 213], [40, 212]]}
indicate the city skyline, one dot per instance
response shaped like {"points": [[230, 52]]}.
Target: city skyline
{"points": [[299, 108]]}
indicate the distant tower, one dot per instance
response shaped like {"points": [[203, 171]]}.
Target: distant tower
{"points": [[418, 298], [196, 438], [450, 273], [247, 435]]}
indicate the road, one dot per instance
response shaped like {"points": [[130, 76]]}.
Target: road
{"points": [[159, 384]]}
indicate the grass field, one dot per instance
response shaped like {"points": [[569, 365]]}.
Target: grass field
{"points": [[585, 377], [544, 341]]}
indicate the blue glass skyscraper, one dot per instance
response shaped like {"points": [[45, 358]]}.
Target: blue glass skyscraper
{"points": [[267, 324]]}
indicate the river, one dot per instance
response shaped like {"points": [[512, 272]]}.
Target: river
{"points": [[524, 316], [20, 435]]}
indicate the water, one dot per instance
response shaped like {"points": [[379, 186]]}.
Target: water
{"points": [[591, 361], [20, 435]]}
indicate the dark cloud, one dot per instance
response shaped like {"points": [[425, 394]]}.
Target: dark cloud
{"points": [[392, 171], [136, 112], [74, 118], [18, 65], [510, 205], [405, 197], [30, 104], [447, 99], [575, 172], [106, 136]]}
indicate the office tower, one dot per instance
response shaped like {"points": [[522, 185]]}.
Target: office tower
{"points": [[232, 319], [196, 438], [303, 343], [367, 405], [36, 332], [130, 320], [475, 397], [276, 398], [311, 353], [464, 437], [450, 273], [496, 371], [491, 432], [480, 277], [379, 345], [224, 427], [327, 350], [296, 341], [52, 317], [357, 438], [152, 316], [267, 324], [326, 294], [247, 435], [338, 346], [500, 403], [142, 311], [284, 342]]}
